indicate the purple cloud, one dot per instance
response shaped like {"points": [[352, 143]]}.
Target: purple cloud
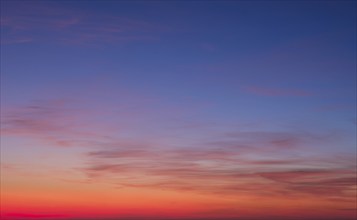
{"points": [[30, 21], [227, 163], [221, 170]]}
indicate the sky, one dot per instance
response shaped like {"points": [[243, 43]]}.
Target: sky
{"points": [[178, 110]]}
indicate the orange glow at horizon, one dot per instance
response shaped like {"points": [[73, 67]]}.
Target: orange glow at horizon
{"points": [[55, 199]]}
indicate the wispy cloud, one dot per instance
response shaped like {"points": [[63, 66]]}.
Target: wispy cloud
{"points": [[227, 163], [50, 121], [46, 21], [16, 40], [221, 170]]}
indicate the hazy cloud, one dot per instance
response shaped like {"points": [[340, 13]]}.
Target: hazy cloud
{"points": [[46, 21], [220, 170], [227, 163]]}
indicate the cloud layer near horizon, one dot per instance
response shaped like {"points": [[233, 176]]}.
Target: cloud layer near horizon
{"points": [[261, 163], [170, 109]]}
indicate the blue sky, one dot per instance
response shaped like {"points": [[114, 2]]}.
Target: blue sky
{"points": [[263, 82]]}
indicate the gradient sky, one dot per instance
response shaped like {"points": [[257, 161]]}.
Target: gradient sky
{"points": [[178, 110]]}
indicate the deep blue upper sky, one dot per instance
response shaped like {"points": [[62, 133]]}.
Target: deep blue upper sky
{"points": [[241, 61], [260, 88]]}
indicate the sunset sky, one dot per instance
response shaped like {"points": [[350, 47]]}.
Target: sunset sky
{"points": [[175, 110]]}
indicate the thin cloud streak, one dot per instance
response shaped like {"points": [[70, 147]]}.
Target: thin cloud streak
{"points": [[234, 163], [72, 27], [221, 171], [53, 122]]}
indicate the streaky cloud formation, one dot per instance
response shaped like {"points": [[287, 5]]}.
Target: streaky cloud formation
{"points": [[50, 121], [222, 169], [221, 166], [228, 165], [24, 23], [178, 110]]}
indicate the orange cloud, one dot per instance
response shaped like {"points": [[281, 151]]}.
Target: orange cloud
{"points": [[223, 171], [246, 166]]}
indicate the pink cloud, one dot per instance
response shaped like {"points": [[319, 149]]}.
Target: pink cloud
{"points": [[219, 170], [53, 122], [228, 163]]}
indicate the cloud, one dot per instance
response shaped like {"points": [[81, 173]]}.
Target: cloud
{"points": [[222, 170], [53, 122], [326, 182], [226, 163], [16, 40], [48, 21], [70, 123], [37, 117], [6, 166], [265, 91], [305, 175]]}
